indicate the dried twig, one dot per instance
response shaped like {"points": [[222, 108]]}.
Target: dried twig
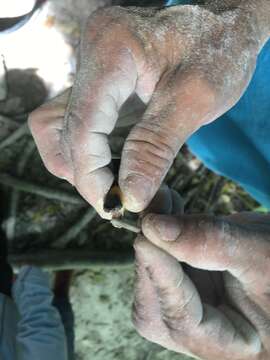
{"points": [[75, 230], [43, 191], [16, 135], [30, 148], [15, 194], [9, 121]]}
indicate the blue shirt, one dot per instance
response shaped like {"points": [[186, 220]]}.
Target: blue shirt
{"points": [[30, 327], [237, 145]]}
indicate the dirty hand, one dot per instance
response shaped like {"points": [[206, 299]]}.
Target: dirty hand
{"points": [[214, 304], [189, 64]]}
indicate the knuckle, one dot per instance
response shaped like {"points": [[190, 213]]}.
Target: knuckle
{"points": [[154, 144], [206, 225], [213, 224], [155, 150], [109, 19], [223, 233], [177, 315], [178, 321], [175, 324]]}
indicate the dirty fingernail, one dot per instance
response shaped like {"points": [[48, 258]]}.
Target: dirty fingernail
{"points": [[163, 227], [137, 192]]}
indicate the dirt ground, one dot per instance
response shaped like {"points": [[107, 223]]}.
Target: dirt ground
{"points": [[102, 302], [37, 209]]}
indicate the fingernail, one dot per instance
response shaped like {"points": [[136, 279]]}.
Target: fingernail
{"points": [[166, 228], [137, 192]]}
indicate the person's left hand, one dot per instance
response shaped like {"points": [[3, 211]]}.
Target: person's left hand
{"points": [[217, 306]]}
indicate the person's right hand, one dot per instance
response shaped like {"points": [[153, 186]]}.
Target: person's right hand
{"points": [[215, 304], [190, 64]]}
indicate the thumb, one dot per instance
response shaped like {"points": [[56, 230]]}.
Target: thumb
{"points": [[213, 243], [179, 106]]}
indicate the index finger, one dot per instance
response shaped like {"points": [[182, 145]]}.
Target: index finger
{"points": [[106, 78], [178, 316]]}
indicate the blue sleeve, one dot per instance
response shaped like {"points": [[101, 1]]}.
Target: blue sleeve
{"points": [[237, 145], [40, 333]]}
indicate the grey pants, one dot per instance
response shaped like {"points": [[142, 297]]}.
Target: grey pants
{"points": [[62, 304]]}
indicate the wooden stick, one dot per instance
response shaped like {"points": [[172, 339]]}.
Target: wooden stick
{"points": [[75, 230], [16, 135], [81, 259], [25, 186], [15, 194]]}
